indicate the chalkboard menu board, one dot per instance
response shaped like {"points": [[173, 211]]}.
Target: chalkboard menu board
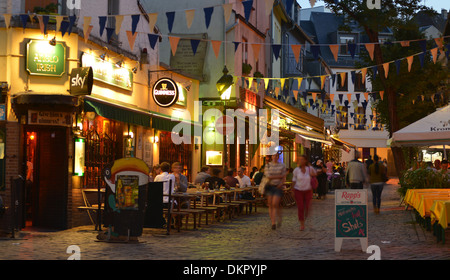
{"points": [[351, 216], [351, 221]]}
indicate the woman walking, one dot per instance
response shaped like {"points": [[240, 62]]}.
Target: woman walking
{"points": [[275, 172], [302, 188], [377, 173]]}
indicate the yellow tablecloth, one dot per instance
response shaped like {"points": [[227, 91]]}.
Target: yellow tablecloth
{"points": [[412, 195], [440, 211], [426, 201]]}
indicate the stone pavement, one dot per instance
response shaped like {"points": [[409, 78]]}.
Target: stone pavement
{"points": [[248, 237]]}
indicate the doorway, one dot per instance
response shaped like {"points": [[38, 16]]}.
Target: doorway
{"points": [[46, 158]]}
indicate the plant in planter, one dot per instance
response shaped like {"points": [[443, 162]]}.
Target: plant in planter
{"points": [[246, 68], [423, 178]]}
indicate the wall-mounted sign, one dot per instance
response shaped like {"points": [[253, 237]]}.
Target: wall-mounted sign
{"points": [[214, 158], [165, 92], [44, 59], [108, 72], [50, 118], [351, 217], [81, 81]]}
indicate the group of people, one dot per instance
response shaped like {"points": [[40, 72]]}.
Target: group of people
{"points": [[373, 172], [438, 166]]}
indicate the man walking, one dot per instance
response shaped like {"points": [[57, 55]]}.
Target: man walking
{"points": [[356, 173]]}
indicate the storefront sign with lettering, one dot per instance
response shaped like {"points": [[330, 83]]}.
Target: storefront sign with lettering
{"points": [[165, 92], [108, 72], [50, 118], [44, 59]]}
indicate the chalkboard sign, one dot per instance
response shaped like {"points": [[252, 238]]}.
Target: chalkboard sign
{"points": [[351, 221], [351, 216]]}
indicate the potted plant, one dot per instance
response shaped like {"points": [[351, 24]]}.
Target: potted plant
{"points": [[246, 68]]}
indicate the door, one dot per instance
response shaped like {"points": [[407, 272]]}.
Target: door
{"points": [[49, 157]]}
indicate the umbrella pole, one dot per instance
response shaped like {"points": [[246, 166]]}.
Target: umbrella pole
{"points": [[445, 152]]}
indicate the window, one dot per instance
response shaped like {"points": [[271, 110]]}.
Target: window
{"points": [[113, 9], [344, 40]]}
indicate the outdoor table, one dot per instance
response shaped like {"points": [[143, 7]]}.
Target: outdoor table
{"points": [[427, 200], [412, 195], [440, 212], [180, 195]]}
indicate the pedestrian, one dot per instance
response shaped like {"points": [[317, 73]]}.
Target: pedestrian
{"points": [[377, 174], [275, 172], [202, 175], [356, 173], [322, 178], [368, 162], [302, 188]]}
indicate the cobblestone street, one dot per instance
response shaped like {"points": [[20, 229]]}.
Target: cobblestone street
{"points": [[248, 237]]}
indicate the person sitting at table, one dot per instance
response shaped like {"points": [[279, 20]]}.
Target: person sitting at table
{"points": [[256, 180], [166, 178], [230, 180], [214, 182], [202, 175], [444, 166], [181, 182], [156, 170], [244, 180]]}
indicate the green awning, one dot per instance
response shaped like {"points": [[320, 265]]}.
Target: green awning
{"points": [[117, 113]]}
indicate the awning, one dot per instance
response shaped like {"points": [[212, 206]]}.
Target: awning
{"points": [[344, 145], [22, 102], [298, 116], [116, 112], [131, 115], [433, 129]]}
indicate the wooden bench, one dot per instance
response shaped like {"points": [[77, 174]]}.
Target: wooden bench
{"points": [[194, 213], [178, 215]]}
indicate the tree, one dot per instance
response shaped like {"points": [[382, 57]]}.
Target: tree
{"points": [[394, 14]]}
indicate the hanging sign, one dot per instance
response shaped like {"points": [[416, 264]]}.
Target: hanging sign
{"points": [[165, 92], [351, 217], [44, 59], [81, 81]]}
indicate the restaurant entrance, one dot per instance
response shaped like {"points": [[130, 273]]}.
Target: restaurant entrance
{"points": [[46, 158]]}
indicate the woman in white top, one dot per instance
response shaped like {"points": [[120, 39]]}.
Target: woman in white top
{"points": [[302, 188]]}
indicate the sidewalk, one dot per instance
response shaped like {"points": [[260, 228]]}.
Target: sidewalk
{"points": [[248, 237]]}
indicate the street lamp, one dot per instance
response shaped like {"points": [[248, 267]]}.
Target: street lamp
{"points": [[224, 86]]}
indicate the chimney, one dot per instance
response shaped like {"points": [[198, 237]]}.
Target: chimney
{"points": [[444, 13]]}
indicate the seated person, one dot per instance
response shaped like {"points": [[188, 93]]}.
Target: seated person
{"points": [[214, 182], [230, 180]]}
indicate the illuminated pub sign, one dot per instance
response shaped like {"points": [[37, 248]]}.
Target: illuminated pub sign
{"points": [[108, 72], [44, 59], [165, 92]]}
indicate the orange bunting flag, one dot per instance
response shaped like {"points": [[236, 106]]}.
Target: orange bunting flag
{"points": [[349, 97], [343, 77], [366, 96], [382, 94], [331, 97], [363, 73], [277, 91], [370, 48], [152, 18], [41, 23], [256, 48], [386, 69], [314, 95], [295, 94], [404, 43], [440, 43], [7, 19], [216, 47], [189, 17], [334, 50], [119, 20], [410, 61], [131, 38], [434, 54], [296, 50], [322, 81], [227, 8], [174, 44]]}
